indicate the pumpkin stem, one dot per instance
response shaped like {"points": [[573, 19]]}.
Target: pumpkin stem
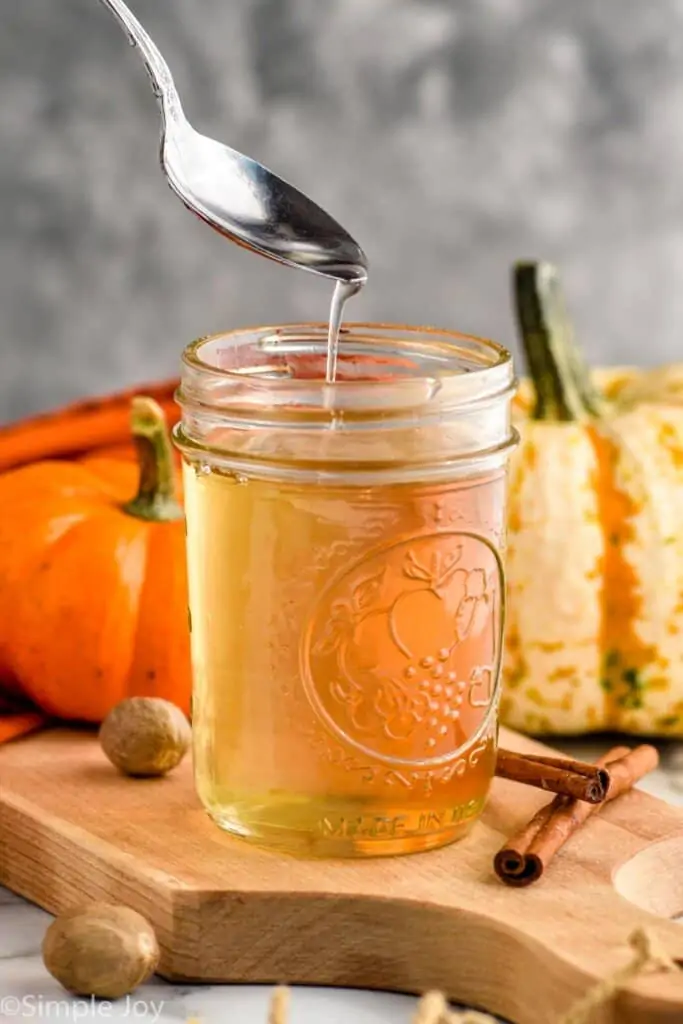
{"points": [[562, 382], [156, 498]]}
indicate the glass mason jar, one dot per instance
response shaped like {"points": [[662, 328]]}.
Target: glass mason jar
{"points": [[345, 551]]}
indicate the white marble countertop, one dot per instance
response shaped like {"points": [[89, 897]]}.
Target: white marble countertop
{"points": [[28, 992]]}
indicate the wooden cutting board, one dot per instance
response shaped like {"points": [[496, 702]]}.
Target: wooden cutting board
{"points": [[72, 829]]}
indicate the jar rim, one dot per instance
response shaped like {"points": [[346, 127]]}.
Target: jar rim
{"points": [[445, 400], [485, 355]]}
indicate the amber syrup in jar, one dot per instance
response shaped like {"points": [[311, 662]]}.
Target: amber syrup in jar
{"points": [[345, 560]]}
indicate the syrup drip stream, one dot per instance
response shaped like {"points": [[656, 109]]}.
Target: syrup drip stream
{"points": [[343, 291]]}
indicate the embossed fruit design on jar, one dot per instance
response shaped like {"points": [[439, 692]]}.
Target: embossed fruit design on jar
{"points": [[404, 647], [345, 554]]}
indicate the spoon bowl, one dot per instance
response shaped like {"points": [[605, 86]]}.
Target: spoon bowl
{"points": [[235, 195]]}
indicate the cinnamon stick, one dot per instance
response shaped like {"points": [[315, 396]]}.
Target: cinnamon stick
{"points": [[563, 775], [525, 857]]}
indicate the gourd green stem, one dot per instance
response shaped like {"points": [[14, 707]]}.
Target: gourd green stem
{"points": [[562, 382], [156, 497]]}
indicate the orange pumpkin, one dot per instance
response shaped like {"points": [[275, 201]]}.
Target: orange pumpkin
{"points": [[93, 591]]}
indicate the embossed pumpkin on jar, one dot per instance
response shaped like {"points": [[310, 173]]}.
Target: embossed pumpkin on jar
{"points": [[345, 565]]}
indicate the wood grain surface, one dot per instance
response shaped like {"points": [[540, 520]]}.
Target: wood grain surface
{"points": [[72, 829]]}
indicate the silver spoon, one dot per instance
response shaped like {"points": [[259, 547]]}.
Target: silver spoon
{"points": [[236, 195]]}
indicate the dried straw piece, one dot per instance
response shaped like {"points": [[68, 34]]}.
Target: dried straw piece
{"points": [[433, 1009], [278, 1012], [649, 955]]}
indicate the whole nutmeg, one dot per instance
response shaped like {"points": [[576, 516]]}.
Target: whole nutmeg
{"points": [[145, 736], [100, 950]]}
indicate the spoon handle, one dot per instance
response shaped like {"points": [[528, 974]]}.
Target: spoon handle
{"points": [[158, 70]]}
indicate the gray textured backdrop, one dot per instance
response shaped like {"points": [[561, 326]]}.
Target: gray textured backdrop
{"points": [[451, 136]]}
